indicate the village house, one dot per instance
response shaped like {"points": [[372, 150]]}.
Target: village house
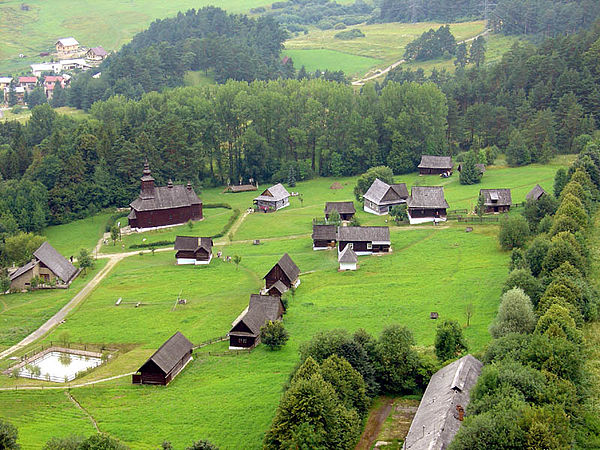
{"points": [[29, 83], [536, 193], [435, 165], [193, 250], [72, 64], [382, 196], [272, 199], [364, 240], [324, 236], [347, 259], [345, 209], [39, 69], [277, 289], [245, 330], [442, 408], [96, 54], [47, 266], [5, 82], [166, 362], [285, 271], [66, 46], [19, 93], [50, 82], [165, 206], [426, 204], [496, 200]]}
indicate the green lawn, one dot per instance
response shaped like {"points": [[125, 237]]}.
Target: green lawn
{"points": [[313, 59], [198, 78]]}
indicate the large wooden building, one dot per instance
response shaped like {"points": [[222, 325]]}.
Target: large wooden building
{"points": [[245, 330], [364, 240], [427, 204], [324, 236], [273, 199], [435, 165], [193, 250], [285, 271], [66, 46], [48, 266], [164, 206], [346, 210], [166, 362], [496, 200], [380, 197]]}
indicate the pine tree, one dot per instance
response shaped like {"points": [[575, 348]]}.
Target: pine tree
{"points": [[478, 51], [461, 55]]}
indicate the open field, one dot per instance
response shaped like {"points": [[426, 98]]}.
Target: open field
{"points": [[109, 23], [24, 114], [323, 58]]}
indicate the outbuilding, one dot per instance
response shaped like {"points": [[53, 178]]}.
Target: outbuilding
{"points": [[427, 204], [496, 200], [364, 240], [324, 236], [245, 330], [273, 199], [193, 250], [347, 259], [346, 210], [536, 193], [285, 271], [435, 165], [380, 197]]}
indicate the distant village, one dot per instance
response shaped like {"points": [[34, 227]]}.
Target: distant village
{"points": [[69, 56]]}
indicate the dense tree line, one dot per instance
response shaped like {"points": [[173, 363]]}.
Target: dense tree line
{"points": [[432, 44], [534, 388]]}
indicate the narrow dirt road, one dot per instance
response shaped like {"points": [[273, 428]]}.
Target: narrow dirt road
{"points": [[374, 423]]}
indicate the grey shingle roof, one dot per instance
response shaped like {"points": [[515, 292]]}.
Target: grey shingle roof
{"points": [[436, 421], [324, 232], [99, 51], [501, 196], [364, 234], [56, 262], [171, 352], [347, 255], [427, 197], [21, 270], [382, 193], [535, 193], [435, 162], [278, 286], [288, 266], [274, 193], [261, 309], [341, 207], [166, 197], [193, 243]]}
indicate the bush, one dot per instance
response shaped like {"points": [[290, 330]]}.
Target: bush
{"points": [[449, 340], [8, 436], [152, 244], [354, 33], [399, 213], [202, 445], [365, 181], [514, 231], [470, 173], [216, 205], [515, 315], [274, 335], [397, 362], [523, 279]]}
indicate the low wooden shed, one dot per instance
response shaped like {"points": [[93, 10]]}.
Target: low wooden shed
{"points": [[346, 210], [245, 330], [285, 271]]}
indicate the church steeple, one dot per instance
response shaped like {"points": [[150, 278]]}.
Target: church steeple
{"points": [[147, 182]]}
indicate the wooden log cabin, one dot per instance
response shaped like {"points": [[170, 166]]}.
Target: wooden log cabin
{"points": [[496, 200], [324, 236], [159, 207], [193, 250], [273, 199], [435, 165], [364, 240], [164, 365], [427, 204], [285, 271], [536, 193], [278, 289], [245, 330], [380, 197], [346, 210]]}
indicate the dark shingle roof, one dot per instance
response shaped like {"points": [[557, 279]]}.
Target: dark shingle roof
{"points": [[347, 255], [21, 270], [501, 196], [171, 352], [341, 207], [193, 243], [382, 193], [535, 193], [401, 190], [364, 234], [288, 266], [324, 232], [55, 262], [278, 192], [278, 286], [99, 51], [241, 188], [427, 197], [435, 162], [436, 421], [166, 197], [261, 309]]}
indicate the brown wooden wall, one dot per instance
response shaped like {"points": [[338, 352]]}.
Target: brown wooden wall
{"points": [[163, 217], [242, 341], [433, 171], [276, 274], [362, 247], [427, 213]]}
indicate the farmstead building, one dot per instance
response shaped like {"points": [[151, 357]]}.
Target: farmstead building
{"points": [[245, 330], [496, 200], [536, 193], [427, 204], [272, 199], [285, 271], [345, 209], [193, 250], [164, 206], [382, 196], [435, 165], [166, 362], [364, 240], [324, 236]]}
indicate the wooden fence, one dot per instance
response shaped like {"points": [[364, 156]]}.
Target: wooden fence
{"points": [[230, 353], [211, 341], [477, 219]]}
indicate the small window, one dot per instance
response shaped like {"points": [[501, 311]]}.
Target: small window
{"points": [[351, 245], [369, 246]]}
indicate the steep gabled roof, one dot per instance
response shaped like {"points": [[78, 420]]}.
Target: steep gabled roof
{"points": [[21, 270], [261, 309], [274, 193], [382, 193], [67, 42], [193, 243], [324, 232], [166, 197], [55, 262], [288, 267], [495, 197], [347, 255], [535, 193], [98, 51], [436, 421], [340, 207], [427, 197], [435, 162], [171, 352], [364, 234], [278, 286]]}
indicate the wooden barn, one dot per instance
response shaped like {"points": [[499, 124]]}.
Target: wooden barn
{"points": [[427, 204], [235, 188], [536, 193], [66, 46], [435, 165], [442, 408], [245, 330], [382, 196], [166, 362], [158, 207], [193, 250], [347, 259], [364, 240], [285, 271], [47, 265], [273, 199], [496, 200], [278, 289], [324, 236], [345, 209]]}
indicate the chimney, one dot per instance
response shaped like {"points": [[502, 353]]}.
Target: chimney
{"points": [[461, 412], [170, 184], [189, 186]]}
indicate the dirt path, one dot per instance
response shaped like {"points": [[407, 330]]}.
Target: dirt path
{"points": [[45, 388], [78, 405], [374, 423], [379, 73], [237, 224]]}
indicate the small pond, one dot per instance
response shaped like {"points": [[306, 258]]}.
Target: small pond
{"points": [[58, 366]]}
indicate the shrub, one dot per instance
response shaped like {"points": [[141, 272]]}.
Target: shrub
{"points": [[449, 340], [535, 254], [514, 231], [8, 436], [202, 445], [523, 279], [470, 173], [365, 181], [274, 335], [399, 213], [515, 314], [397, 361], [354, 33]]}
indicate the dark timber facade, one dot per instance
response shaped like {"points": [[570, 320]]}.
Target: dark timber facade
{"points": [[364, 240], [285, 271], [496, 200], [245, 330], [166, 362], [435, 165]]}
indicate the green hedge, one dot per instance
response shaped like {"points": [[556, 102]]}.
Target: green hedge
{"points": [[227, 227], [216, 205], [152, 244]]}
